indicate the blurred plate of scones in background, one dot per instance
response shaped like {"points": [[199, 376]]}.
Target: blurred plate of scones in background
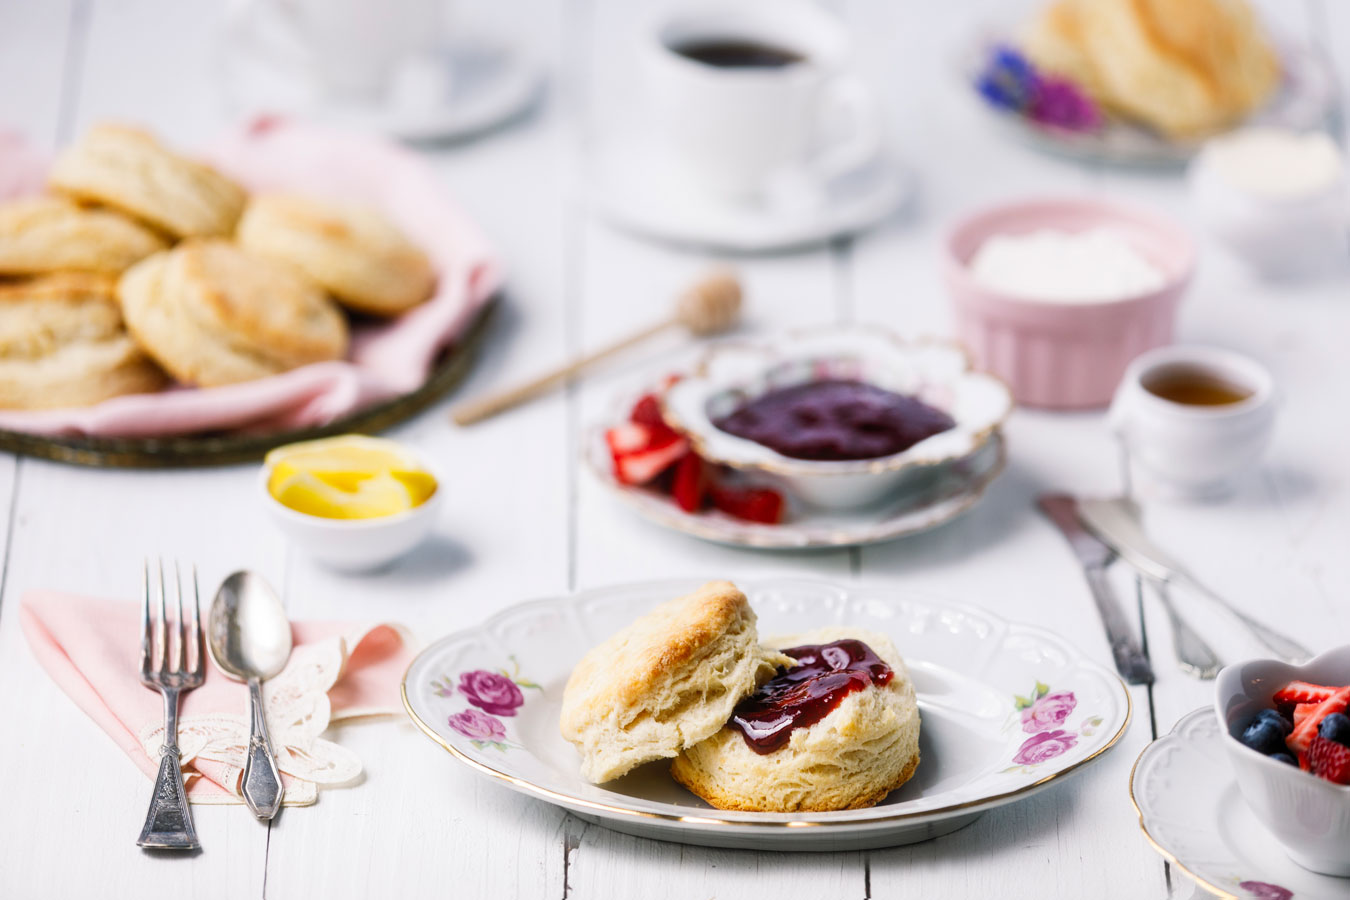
{"points": [[140, 269]]}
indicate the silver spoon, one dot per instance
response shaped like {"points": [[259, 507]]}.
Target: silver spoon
{"points": [[1194, 657], [250, 640]]}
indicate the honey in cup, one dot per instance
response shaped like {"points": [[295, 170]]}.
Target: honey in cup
{"points": [[1188, 384]]}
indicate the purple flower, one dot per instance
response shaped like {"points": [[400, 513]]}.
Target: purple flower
{"points": [[1008, 80], [1011, 82], [491, 691], [1061, 104], [1263, 891], [1046, 745], [477, 726], [1048, 712]]}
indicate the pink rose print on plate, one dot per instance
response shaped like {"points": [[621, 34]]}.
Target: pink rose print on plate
{"points": [[1048, 712], [1046, 745], [491, 692], [1264, 891], [477, 726]]}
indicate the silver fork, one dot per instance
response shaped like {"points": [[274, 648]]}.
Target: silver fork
{"points": [[168, 824]]}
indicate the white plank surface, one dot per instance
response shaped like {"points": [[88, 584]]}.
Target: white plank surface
{"points": [[524, 520]]}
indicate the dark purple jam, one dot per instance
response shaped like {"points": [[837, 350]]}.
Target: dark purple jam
{"points": [[835, 420], [802, 696]]}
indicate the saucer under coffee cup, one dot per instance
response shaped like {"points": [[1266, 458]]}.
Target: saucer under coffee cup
{"points": [[754, 98]]}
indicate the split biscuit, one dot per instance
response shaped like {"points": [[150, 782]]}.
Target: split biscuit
{"points": [[129, 170], [211, 313], [665, 682], [863, 749], [63, 344], [353, 251], [39, 235]]}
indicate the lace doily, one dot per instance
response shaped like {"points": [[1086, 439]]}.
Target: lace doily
{"points": [[296, 706]]}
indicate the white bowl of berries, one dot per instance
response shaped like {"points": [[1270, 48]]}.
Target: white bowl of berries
{"points": [[1290, 749]]}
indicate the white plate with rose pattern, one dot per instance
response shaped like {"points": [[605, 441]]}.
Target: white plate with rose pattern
{"points": [[1190, 809], [1006, 709]]}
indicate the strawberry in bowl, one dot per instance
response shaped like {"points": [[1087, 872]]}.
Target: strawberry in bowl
{"points": [[1290, 751]]}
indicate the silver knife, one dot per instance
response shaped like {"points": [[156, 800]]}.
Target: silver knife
{"points": [[1116, 522], [1094, 556]]}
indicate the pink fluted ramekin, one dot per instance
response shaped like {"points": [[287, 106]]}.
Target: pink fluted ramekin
{"points": [[1065, 355]]}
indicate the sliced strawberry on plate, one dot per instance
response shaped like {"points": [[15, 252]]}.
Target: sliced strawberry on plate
{"points": [[690, 485], [647, 411], [1301, 737], [628, 438], [645, 465], [1303, 692], [751, 504], [1329, 760]]}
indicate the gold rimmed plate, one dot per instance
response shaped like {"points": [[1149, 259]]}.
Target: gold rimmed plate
{"points": [[1007, 711], [1192, 812]]}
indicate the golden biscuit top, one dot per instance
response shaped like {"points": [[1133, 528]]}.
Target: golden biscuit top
{"points": [[254, 299], [39, 315], [636, 661], [361, 226]]}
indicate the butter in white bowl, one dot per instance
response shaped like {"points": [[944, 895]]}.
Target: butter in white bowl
{"points": [[352, 502]]}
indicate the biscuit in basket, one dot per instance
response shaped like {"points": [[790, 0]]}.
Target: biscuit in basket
{"points": [[668, 680], [129, 170], [50, 234], [354, 252], [212, 314], [863, 749], [62, 344]]}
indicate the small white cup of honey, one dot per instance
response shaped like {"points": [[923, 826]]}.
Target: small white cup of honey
{"points": [[1194, 419]]}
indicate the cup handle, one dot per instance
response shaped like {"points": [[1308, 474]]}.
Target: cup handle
{"points": [[847, 98]]}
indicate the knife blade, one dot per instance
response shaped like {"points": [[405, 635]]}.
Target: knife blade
{"points": [[1094, 556], [1116, 522]]}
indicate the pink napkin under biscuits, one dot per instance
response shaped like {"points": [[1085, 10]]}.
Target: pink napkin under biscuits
{"points": [[337, 671], [387, 358]]}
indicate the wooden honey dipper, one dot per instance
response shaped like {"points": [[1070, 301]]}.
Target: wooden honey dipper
{"points": [[712, 305]]}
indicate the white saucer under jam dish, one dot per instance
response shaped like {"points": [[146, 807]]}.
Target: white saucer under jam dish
{"points": [[1192, 812], [937, 373], [1007, 710], [944, 494], [640, 186]]}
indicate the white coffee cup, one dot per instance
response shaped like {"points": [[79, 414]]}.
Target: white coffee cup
{"points": [[351, 49], [739, 130], [1188, 450]]}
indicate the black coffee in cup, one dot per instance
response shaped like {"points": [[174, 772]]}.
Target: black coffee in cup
{"points": [[737, 53]]}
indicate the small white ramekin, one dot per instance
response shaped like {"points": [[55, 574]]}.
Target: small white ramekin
{"points": [[353, 545], [1309, 815], [1195, 452]]}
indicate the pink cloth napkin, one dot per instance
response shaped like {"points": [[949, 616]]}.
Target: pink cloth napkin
{"points": [[91, 649], [386, 359]]}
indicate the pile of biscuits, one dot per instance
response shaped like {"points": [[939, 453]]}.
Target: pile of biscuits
{"points": [[1183, 67], [666, 687], [143, 266]]}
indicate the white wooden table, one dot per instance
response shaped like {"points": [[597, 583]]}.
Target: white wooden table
{"points": [[523, 520]]}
